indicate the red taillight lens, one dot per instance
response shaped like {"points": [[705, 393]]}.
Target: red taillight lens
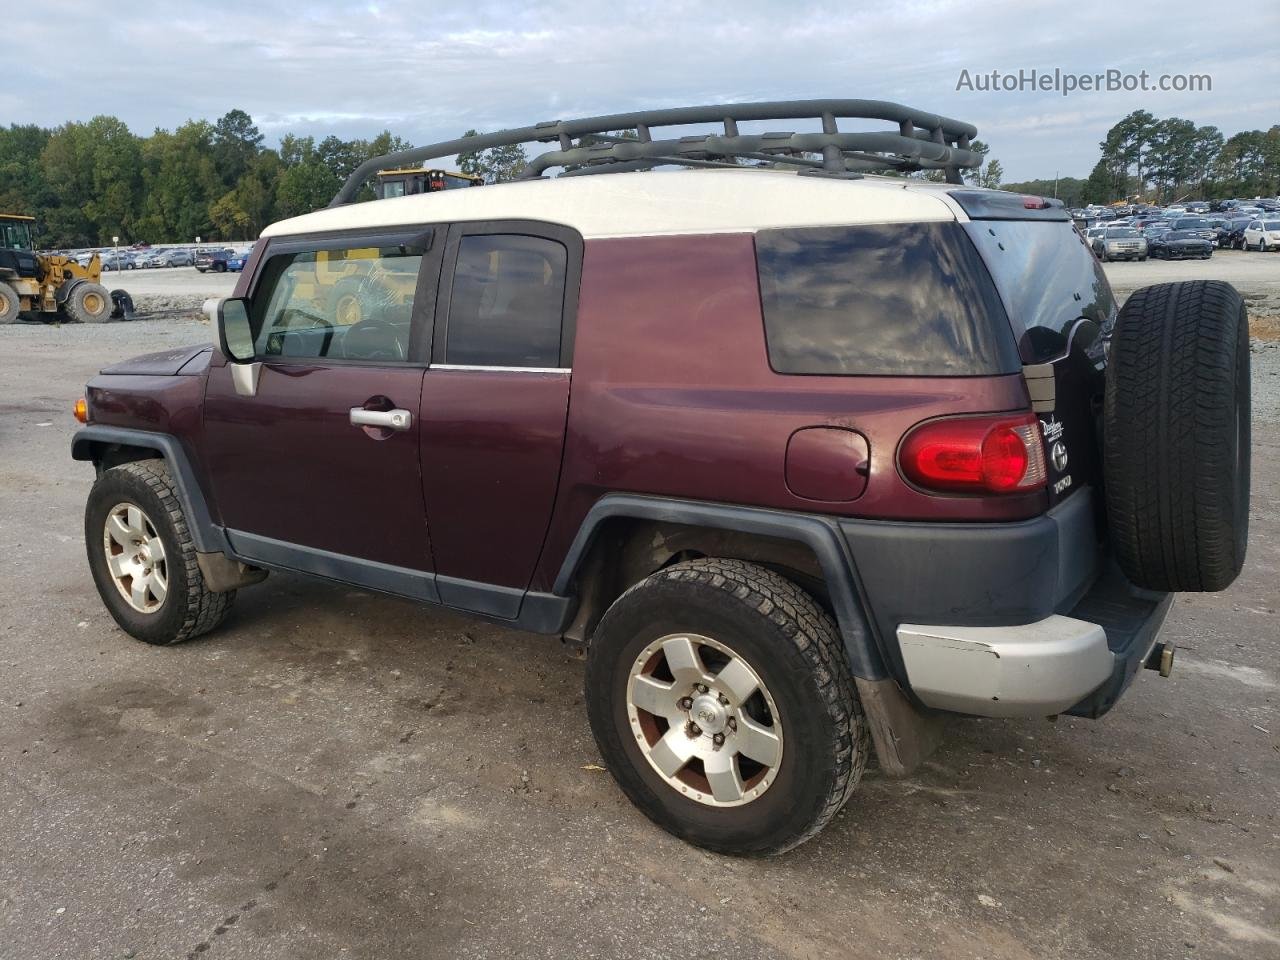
{"points": [[1000, 454], [1035, 203]]}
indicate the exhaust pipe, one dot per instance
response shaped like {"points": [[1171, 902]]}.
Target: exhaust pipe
{"points": [[1161, 658]]}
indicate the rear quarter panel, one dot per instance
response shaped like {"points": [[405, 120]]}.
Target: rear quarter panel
{"points": [[672, 395]]}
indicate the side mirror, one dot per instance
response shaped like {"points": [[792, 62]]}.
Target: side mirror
{"points": [[235, 335]]}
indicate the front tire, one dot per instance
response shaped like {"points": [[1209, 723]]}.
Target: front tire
{"points": [[143, 559], [89, 303], [721, 700]]}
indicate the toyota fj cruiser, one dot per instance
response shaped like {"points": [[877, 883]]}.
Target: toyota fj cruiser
{"points": [[809, 459]]}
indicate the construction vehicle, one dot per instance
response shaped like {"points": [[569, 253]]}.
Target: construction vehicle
{"points": [[404, 181], [42, 283]]}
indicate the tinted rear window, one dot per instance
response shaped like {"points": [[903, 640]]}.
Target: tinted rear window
{"points": [[901, 299], [1048, 280]]}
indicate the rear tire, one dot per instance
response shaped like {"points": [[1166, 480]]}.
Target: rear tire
{"points": [[169, 601], [1176, 425], [738, 619], [89, 303], [10, 304]]}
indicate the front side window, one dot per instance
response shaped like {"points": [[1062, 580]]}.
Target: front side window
{"points": [[349, 304], [507, 301]]}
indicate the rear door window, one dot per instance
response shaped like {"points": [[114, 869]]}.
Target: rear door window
{"points": [[507, 302], [904, 299]]}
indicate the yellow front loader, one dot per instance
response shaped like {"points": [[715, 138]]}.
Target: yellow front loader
{"points": [[39, 283]]}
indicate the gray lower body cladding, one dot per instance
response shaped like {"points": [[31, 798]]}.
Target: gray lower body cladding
{"points": [[995, 589]]}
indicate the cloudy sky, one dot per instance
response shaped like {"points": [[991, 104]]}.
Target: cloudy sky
{"points": [[429, 71]]}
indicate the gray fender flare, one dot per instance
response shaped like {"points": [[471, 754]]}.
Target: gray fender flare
{"points": [[88, 444], [820, 534]]}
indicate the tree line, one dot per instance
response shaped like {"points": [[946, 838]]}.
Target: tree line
{"points": [[1164, 161], [87, 182]]}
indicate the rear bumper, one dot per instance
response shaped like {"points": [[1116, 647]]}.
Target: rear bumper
{"points": [[1031, 670], [1010, 619], [1078, 663]]}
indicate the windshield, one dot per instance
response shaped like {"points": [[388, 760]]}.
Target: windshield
{"points": [[1180, 235], [1192, 223], [15, 235], [1272, 224], [1121, 234]]}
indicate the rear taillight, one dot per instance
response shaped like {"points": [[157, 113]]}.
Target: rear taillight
{"points": [[989, 454]]}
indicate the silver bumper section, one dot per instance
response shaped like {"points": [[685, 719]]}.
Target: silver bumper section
{"points": [[1030, 670]]}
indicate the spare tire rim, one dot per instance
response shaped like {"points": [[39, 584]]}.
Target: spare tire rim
{"points": [[704, 720], [135, 557]]}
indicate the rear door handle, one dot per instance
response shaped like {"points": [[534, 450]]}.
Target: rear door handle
{"points": [[390, 419]]}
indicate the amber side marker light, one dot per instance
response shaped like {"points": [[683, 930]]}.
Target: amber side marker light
{"points": [[82, 410]]}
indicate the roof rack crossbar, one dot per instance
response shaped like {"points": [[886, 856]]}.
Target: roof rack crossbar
{"points": [[922, 140]]}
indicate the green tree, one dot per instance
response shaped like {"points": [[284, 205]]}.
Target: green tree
{"points": [[236, 141], [496, 165], [305, 187], [181, 181]]}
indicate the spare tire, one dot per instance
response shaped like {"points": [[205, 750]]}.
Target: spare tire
{"points": [[1176, 436]]}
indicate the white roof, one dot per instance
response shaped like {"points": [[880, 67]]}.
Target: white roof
{"points": [[655, 203]]}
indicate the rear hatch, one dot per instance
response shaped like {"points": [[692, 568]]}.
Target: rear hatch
{"points": [[1062, 311]]}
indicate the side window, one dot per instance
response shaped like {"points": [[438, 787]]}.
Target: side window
{"points": [[349, 304], [507, 302]]}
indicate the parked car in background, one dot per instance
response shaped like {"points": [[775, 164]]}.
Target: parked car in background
{"points": [[236, 262], [1120, 243], [1262, 235], [1231, 233], [213, 259], [116, 261], [1197, 225], [177, 258], [1181, 245]]}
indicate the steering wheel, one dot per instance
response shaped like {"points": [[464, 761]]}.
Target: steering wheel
{"points": [[373, 340]]}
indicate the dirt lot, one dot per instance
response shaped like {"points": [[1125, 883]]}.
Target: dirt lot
{"points": [[339, 774]]}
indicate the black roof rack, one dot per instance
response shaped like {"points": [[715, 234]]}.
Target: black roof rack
{"points": [[922, 141]]}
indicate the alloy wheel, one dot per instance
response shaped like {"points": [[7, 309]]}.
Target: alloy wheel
{"points": [[704, 720], [135, 557]]}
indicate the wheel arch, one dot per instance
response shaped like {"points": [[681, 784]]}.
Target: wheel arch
{"points": [[107, 447], [623, 534], [625, 538]]}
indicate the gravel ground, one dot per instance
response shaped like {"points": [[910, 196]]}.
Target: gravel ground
{"points": [[340, 774]]}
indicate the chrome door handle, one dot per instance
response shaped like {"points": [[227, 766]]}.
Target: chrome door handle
{"points": [[390, 419]]}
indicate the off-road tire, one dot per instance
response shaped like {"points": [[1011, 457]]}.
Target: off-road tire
{"points": [[190, 608], [798, 653], [89, 303], [1176, 425], [10, 304]]}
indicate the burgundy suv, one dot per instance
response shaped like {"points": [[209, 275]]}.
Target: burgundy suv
{"points": [[810, 460]]}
